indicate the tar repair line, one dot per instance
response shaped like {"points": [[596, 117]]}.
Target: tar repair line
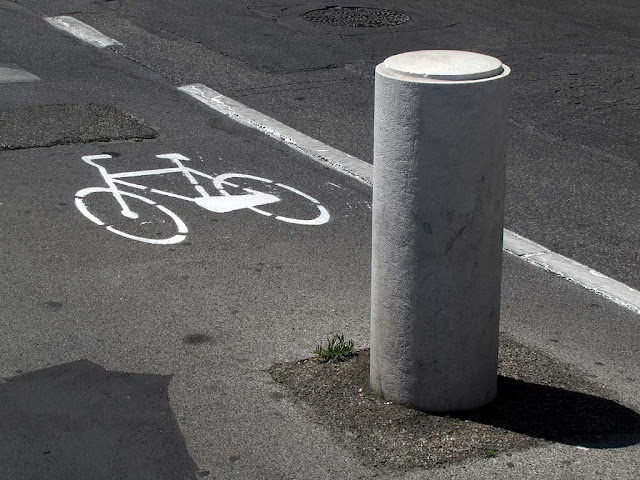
{"points": [[82, 31], [513, 243]]}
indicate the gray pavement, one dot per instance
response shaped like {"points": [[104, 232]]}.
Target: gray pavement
{"points": [[573, 168], [187, 332]]}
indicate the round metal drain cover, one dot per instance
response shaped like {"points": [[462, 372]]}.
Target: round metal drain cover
{"points": [[356, 17]]}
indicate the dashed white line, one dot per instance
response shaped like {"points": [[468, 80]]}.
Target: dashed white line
{"points": [[15, 74], [513, 243], [82, 31], [595, 281]]}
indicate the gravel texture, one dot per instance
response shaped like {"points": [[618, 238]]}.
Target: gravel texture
{"points": [[356, 17], [539, 400]]}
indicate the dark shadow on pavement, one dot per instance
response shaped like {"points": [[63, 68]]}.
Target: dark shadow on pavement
{"points": [[80, 421], [559, 415]]}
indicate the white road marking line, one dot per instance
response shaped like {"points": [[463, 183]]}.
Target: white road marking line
{"points": [[173, 195], [323, 218], [81, 30], [145, 173], [573, 271], [165, 241], [311, 147], [231, 203], [513, 243], [85, 211], [15, 74], [291, 189]]}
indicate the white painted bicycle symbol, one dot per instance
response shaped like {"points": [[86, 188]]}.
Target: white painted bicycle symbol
{"points": [[136, 210]]}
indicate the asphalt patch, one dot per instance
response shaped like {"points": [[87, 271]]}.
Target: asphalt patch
{"points": [[48, 125], [539, 400]]}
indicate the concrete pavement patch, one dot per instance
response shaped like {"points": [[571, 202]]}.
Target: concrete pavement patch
{"points": [[540, 400]]}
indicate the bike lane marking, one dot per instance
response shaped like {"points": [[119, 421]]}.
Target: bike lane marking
{"points": [[221, 202], [515, 244]]}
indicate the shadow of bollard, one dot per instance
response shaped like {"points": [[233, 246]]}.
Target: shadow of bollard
{"points": [[79, 421], [539, 400], [559, 415]]}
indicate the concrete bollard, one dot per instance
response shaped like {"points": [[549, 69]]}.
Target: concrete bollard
{"points": [[438, 207]]}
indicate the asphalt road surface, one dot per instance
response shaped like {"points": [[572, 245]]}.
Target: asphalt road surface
{"points": [[138, 326], [573, 164]]}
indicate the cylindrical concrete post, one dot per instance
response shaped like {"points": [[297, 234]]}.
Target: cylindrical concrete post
{"points": [[438, 207]]}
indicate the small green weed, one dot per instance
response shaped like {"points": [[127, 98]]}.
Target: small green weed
{"points": [[490, 453], [337, 349]]}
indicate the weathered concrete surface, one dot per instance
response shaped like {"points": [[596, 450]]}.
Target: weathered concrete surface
{"points": [[438, 206]]}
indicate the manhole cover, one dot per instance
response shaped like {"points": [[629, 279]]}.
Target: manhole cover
{"points": [[356, 17]]}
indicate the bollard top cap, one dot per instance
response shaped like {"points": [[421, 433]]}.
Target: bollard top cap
{"points": [[446, 65]]}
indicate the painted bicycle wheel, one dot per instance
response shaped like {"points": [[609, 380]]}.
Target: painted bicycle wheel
{"points": [[145, 221]]}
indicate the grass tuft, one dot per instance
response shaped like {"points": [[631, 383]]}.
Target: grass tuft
{"points": [[490, 453], [337, 350]]}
